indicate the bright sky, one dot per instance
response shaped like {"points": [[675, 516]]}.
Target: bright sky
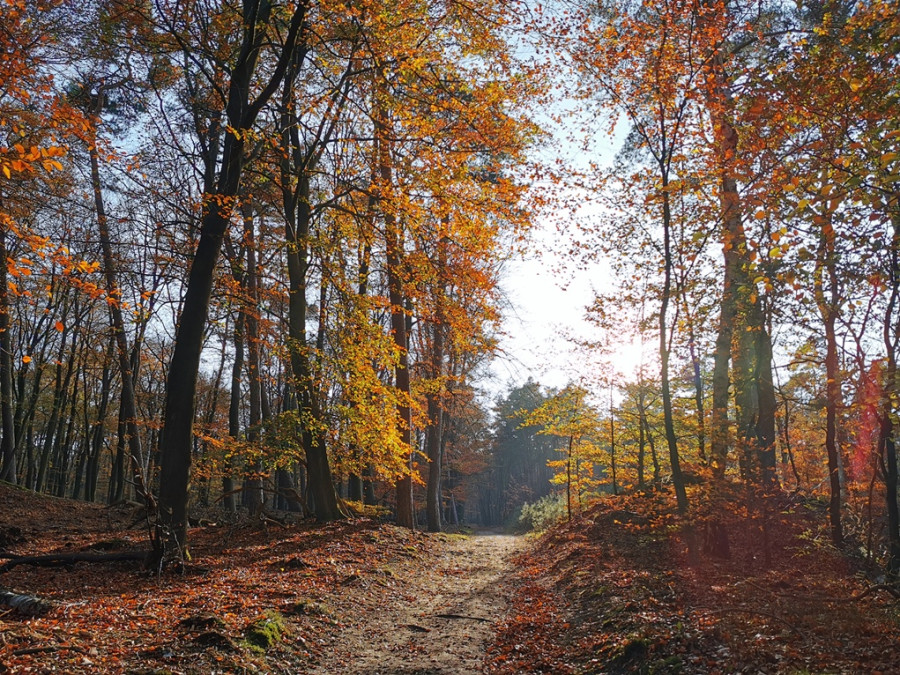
{"points": [[546, 305], [545, 308]]}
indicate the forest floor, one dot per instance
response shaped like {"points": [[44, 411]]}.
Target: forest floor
{"points": [[612, 592]]}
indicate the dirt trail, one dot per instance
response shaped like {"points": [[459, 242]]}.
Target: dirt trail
{"points": [[438, 620]]}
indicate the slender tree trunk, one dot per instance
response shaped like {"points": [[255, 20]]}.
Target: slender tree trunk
{"points": [[65, 453], [434, 433], [828, 310], [401, 370], [320, 484], [128, 408], [9, 471], [253, 494], [569, 479], [393, 234], [234, 411], [612, 442], [642, 445], [698, 397], [356, 485], [63, 373], [664, 351]]}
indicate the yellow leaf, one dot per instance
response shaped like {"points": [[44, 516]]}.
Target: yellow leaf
{"points": [[6, 171]]}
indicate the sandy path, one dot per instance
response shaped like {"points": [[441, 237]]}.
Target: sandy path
{"points": [[437, 617]]}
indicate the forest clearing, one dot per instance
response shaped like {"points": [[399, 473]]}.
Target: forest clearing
{"points": [[607, 593]]}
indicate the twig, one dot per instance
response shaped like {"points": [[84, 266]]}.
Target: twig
{"points": [[41, 650], [742, 610], [890, 588], [462, 616]]}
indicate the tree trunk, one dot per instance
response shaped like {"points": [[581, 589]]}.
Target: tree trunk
{"points": [[828, 310], [320, 484], [60, 389], [887, 441], [253, 495], [181, 385], [664, 351], [9, 471], [128, 408], [698, 396], [393, 235], [434, 433]]}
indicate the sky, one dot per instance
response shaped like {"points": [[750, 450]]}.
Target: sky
{"points": [[545, 307], [546, 300]]}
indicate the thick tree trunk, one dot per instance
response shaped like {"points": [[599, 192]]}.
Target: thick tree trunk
{"points": [[181, 385], [887, 438], [320, 484], [297, 163]]}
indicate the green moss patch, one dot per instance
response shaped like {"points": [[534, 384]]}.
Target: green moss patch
{"points": [[265, 631]]}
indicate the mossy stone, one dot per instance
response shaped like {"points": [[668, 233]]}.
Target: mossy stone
{"points": [[265, 631]]}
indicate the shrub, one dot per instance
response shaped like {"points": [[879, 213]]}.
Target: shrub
{"points": [[543, 513]]}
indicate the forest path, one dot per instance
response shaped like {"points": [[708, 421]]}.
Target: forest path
{"points": [[440, 617]]}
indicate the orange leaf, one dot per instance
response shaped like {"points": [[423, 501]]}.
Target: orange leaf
{"points": [[60, 326], [26, 359]]}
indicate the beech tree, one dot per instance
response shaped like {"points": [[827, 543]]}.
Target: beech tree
{"points": [[256, 25]]}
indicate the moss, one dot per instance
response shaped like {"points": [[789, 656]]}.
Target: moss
{"points": [[600, 592], [264, 631], [454, 536], [672, 664], [631, 655]]}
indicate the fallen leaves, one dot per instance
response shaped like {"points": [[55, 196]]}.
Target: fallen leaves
{"points": [[634, 604]]}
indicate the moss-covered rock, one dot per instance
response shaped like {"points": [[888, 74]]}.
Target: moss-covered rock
{"points": [[265, 631]]}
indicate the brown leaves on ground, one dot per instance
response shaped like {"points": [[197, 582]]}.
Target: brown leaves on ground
{"points": [[634, 604], [117, 618], [615, 591]]}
